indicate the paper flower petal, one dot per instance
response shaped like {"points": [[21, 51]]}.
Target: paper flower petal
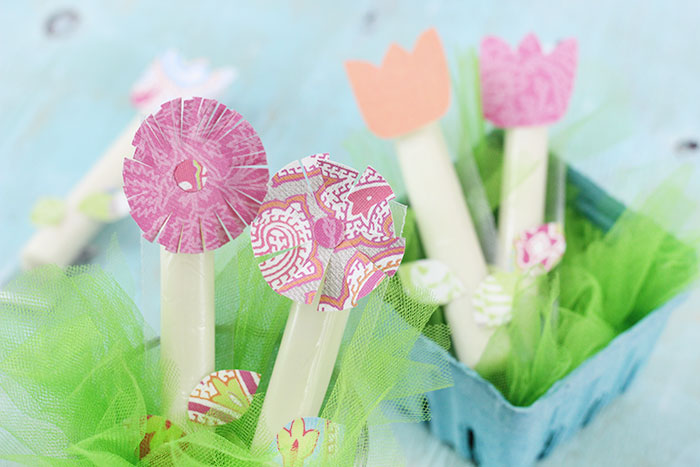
{"points": [[297, 273], [368, 219], [281, 225], [308, 441], [351, 275], [170, 76], [286, 217], [539, 250], [222, 397], [409, 89], [313, 170], [526, 87], [338, 180], [386, 258], [430, 281], [157, 431], [191, 191], [304, 221], [493, 299]]}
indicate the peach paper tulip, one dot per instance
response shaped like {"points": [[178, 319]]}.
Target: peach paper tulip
{"points": [[409, 90]]}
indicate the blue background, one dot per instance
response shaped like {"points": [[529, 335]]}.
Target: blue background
{"points": [[64, 98]]}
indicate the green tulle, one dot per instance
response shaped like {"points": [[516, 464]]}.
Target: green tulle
{"points": [[605, 284], [79, 371], [607, 281]]}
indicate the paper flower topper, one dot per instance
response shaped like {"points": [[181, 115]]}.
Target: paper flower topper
{"points": [[539, 250], [330, 230], [308, 440], [222, 397], [170, 76], [408, 91], [526, 87], [197, 176]]}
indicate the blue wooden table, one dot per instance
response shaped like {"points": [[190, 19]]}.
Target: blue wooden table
{"points": [[66, 68]]}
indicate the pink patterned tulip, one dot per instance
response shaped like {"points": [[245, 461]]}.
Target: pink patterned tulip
{"points": [[322, 220], [197, 176], [526, 87]]}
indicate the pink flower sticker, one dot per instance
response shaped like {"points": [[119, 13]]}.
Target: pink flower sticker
{"points": [[222, 397], [198, 175], [526, 87], [308, 441], [540, 249], [329, 227]]}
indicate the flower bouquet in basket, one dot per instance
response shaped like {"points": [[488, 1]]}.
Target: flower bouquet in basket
{"points": [[259, 359], [553, 291]]}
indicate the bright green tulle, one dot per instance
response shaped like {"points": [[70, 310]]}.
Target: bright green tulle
{"points": [[81, 371], [606, 282]]}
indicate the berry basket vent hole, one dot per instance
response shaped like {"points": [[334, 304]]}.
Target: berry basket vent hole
{"points": [[630, 377], [549, 444], [592, 411], [471, 446]]}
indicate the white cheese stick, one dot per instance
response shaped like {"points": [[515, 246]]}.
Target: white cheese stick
{"points": [[303, 368], [446, 229], [523, 188], [61, 244], [187, 324]]}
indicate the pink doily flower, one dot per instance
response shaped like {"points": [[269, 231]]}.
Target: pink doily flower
{"points": [[197, 177], [327, 227], [540, 249], [526, 87]]}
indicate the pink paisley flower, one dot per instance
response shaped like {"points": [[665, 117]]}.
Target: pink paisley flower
{"points": [[197, 176], [526, 87], [541, 248], [327, 227]]}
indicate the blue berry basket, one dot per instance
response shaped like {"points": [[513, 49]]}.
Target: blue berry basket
{"points": [[479, 423]]}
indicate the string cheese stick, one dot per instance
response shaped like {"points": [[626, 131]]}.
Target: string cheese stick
{"points": [[303, 368], [62, 243], [524, 91], [523, 189], [555, 206], [446, 229], [403, 100], [191, 167], [187, 326], [330, 232]]}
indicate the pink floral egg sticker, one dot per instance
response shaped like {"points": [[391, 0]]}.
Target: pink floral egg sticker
{"points": [[308, 441], [222, 397], [540, 249]]}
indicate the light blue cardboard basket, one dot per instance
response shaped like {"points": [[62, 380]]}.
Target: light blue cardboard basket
{"points": [[475, 418]]}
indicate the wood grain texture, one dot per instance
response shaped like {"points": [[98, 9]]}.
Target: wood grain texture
{"points": [[64, 97]]}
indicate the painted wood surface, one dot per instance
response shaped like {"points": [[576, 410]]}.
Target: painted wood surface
{"points": [[66, 69]]}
